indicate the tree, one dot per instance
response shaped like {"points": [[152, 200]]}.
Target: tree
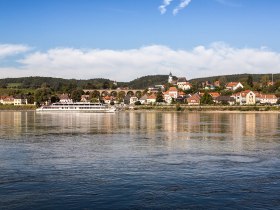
{"points": [[42, 95], [106, 85], [54, 99], [206, 99], [159, 97], [76, 95], [264, 80], [94, 94], [250, 81], [223, 81]]}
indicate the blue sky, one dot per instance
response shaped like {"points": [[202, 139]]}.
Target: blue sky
{"points": [[91, 30]]}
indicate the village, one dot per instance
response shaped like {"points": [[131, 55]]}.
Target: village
{"points": [[174, 91]]}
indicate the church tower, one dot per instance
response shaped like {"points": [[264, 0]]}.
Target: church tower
{"points": [[170, 78]]}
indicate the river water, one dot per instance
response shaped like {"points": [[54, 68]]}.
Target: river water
{"points": [[139, 160]]}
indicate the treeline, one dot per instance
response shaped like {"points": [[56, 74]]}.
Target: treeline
{"points": [[57, 84], [148, 81], [67, 85], [237, 78]]}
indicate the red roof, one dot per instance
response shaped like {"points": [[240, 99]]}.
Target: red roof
{"points": [[232, 84], [172, 89]]}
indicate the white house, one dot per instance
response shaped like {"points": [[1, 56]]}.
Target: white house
{"points": [[183, 84], [151, 99], [246, 97], [20, 101], [234, 86], [143, 99], [133, 99], [267, 99]]}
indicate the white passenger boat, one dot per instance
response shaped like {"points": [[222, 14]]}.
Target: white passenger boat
{"points": [[77, 107]]}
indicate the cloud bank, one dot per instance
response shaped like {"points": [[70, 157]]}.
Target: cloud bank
{"points": [[12, 49], [126, 65]]}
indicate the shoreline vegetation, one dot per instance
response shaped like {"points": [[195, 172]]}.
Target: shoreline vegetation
{"points": [[205, 108], [167, 108], [8, 107]]}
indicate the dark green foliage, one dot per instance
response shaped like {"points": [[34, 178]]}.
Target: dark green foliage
{"points": [[54, 98], [42, 95], [250, 81], [206, 99], [237, 78], [148, 81], [76, 95], [159, 97]]}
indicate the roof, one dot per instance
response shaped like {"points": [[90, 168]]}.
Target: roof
{"points": [[182, 79], [232, 84], [214, 94], [144, 97], [225, 98], [194, 97], [245, 92], [172, 89], [267, 96], [64, 96], [152, 96]]}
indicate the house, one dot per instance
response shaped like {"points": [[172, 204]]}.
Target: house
{"points": [[107, 99], [234, 86], [183, 84], [20, 101], [133, 99], [267, 99], [194, 99], [151, 99], [85, 98], [246, 97], [172, 92], [225, 100], [217, 83], [143, 99], [64, 98], [7, 100]]}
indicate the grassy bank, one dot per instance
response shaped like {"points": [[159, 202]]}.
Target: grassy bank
{"points": [[17, 108], [205, 108]]}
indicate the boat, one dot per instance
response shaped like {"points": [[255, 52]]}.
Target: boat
{"points": [[77, 107]]}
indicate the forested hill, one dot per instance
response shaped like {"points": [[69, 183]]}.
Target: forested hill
{"points": [[55, 83], [148, 81], [236, 78], [139, 83]]}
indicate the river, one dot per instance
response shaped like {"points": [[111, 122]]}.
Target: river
{"points": [[139, 160]]}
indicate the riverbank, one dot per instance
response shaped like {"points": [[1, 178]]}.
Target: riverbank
{"points": [[17, 108], [186, 108]]}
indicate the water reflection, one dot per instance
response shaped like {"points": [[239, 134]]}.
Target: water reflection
{"points": [[185, 126], [122, 160], [237, 124]]}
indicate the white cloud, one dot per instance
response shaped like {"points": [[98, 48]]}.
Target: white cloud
{"points": [[182, 5], [165, 3], [12, 49], [126, 65]]}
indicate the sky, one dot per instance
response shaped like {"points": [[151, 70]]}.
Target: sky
{"points": [[125, 39]]}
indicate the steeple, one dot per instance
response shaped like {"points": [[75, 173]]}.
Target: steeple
{"points": [[170, 78]]}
